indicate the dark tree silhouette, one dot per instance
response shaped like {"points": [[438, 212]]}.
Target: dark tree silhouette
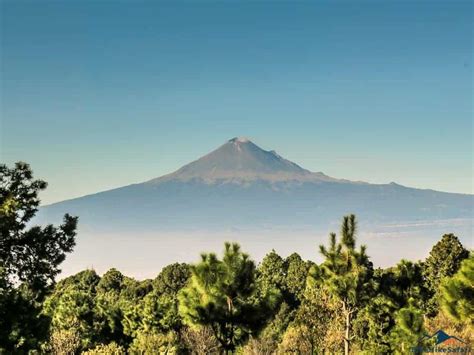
{"points": [[29, 257]]}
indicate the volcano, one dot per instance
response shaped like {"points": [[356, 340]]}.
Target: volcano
{"points": [[242, 189], [241, 160]]}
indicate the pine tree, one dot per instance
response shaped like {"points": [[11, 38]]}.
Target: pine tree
{"points": [[444, 261], [408, 330], [171, 279], [222, 294], [457, 294], [72, 307], [314, 324], [395, 287], [296, 275], [271, 272], [345, 274]]}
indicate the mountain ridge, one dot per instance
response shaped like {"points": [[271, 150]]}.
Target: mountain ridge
{"points": [[239, 159], [243, 193], [201, 171]]}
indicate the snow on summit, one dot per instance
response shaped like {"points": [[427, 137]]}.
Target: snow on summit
{"points": [[240, 140]]}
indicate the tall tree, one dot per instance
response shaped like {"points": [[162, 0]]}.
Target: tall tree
{"points": [[315, 324], [271, 275], [29, 258], [157, 312], [171, 279], [111, 281], [288, 276], [271, 272], [222, 295], [346, 274], [29, 255], [72, 307], [109, 306], [395, 288], [457, 296], [296, 275], [444, 261], [408, 330]]}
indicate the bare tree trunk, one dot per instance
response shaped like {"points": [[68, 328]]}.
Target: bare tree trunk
{"points": [[346, 338], [347, 314]]}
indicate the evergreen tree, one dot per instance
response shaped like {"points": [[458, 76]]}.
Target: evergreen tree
{"points": [[457, 296], [172, 279], [108, 317], [134, 290], [373, 324], [444, 261], [158, 313], [409, 330], [288, 276], [273, 331], [272, 275], [345, 274], [111, 281], [316, 321], [72, 307], [296, 274], [222, 294], [116, 302], [29, 259], [271, 272], [31, 256], [407, 284], [394, 288], [111, 302]]}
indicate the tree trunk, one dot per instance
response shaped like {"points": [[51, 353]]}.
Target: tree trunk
{"points": [[230, 306], [348, 329]]}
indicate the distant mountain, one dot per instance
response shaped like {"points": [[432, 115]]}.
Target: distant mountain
{"points": [[241, 187], [241, 160]]}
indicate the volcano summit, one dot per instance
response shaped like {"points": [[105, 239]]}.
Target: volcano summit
{"points": [[241, 160]]}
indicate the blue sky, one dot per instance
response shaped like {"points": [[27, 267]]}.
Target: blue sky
{"points": [[96, 95]]}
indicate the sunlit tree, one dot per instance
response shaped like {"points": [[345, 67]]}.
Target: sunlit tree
{"points": [[457, 296], [444, 261], [223, 295], [346, 274]]}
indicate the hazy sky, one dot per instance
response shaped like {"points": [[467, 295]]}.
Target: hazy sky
{"points": [[99, 94]]}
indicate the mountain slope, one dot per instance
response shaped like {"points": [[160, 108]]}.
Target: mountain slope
{"points": [[240, 185], [239, 159], [243, 193]]}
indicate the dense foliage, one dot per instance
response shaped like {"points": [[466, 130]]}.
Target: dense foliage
{"points": [[29, 259], [222, 294], [222, 304]]}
